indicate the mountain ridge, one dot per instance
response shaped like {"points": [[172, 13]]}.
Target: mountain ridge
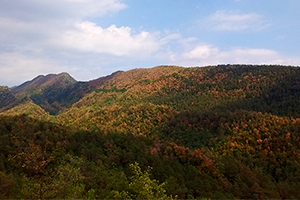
{"points": [[55, 92]]}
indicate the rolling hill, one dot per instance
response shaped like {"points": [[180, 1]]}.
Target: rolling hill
{"points": [[227, 131]]}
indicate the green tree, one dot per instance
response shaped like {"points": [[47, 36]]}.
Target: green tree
{"points": [[142, 187]]}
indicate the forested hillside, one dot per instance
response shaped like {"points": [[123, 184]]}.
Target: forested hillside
{"points": [[227, 131], [7, 98]]}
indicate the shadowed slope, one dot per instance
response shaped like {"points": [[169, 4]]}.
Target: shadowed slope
{"points": [[7, 98]]}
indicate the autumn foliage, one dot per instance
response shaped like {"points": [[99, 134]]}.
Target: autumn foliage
{"points": [[219, 132]]}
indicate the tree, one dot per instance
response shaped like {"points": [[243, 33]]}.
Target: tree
{"points": [[142, 187]]}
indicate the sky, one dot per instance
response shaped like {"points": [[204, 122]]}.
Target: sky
{"points": [[94, 38]]}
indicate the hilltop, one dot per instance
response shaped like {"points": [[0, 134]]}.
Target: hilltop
{"points": [[227, 131]]}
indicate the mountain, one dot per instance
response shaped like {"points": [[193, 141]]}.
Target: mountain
{"points": [[43, 90], [220, 132], [41, 82], [56, 92]]}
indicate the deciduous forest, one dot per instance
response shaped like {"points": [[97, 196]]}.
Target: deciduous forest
{"points": [[219, 132]]}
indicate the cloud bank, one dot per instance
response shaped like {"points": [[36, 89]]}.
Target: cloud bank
{"points": [[202, 55]]}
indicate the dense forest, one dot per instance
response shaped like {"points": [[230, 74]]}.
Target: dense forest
{"points": [[216, 132]]}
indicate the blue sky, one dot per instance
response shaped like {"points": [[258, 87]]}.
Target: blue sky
{"points": [[94, 38]]}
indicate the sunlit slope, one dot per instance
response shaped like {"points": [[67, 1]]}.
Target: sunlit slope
{"points": [[142, 100], [29, 109]]}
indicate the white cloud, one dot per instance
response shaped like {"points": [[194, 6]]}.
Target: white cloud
{"points": [[42, 18], [233, 21], [201, 52], [61, 28], [87, 36], [203, 55]]}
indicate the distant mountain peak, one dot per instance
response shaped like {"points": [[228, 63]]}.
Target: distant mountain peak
{"points": [[40, 82], [65, 75]]}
